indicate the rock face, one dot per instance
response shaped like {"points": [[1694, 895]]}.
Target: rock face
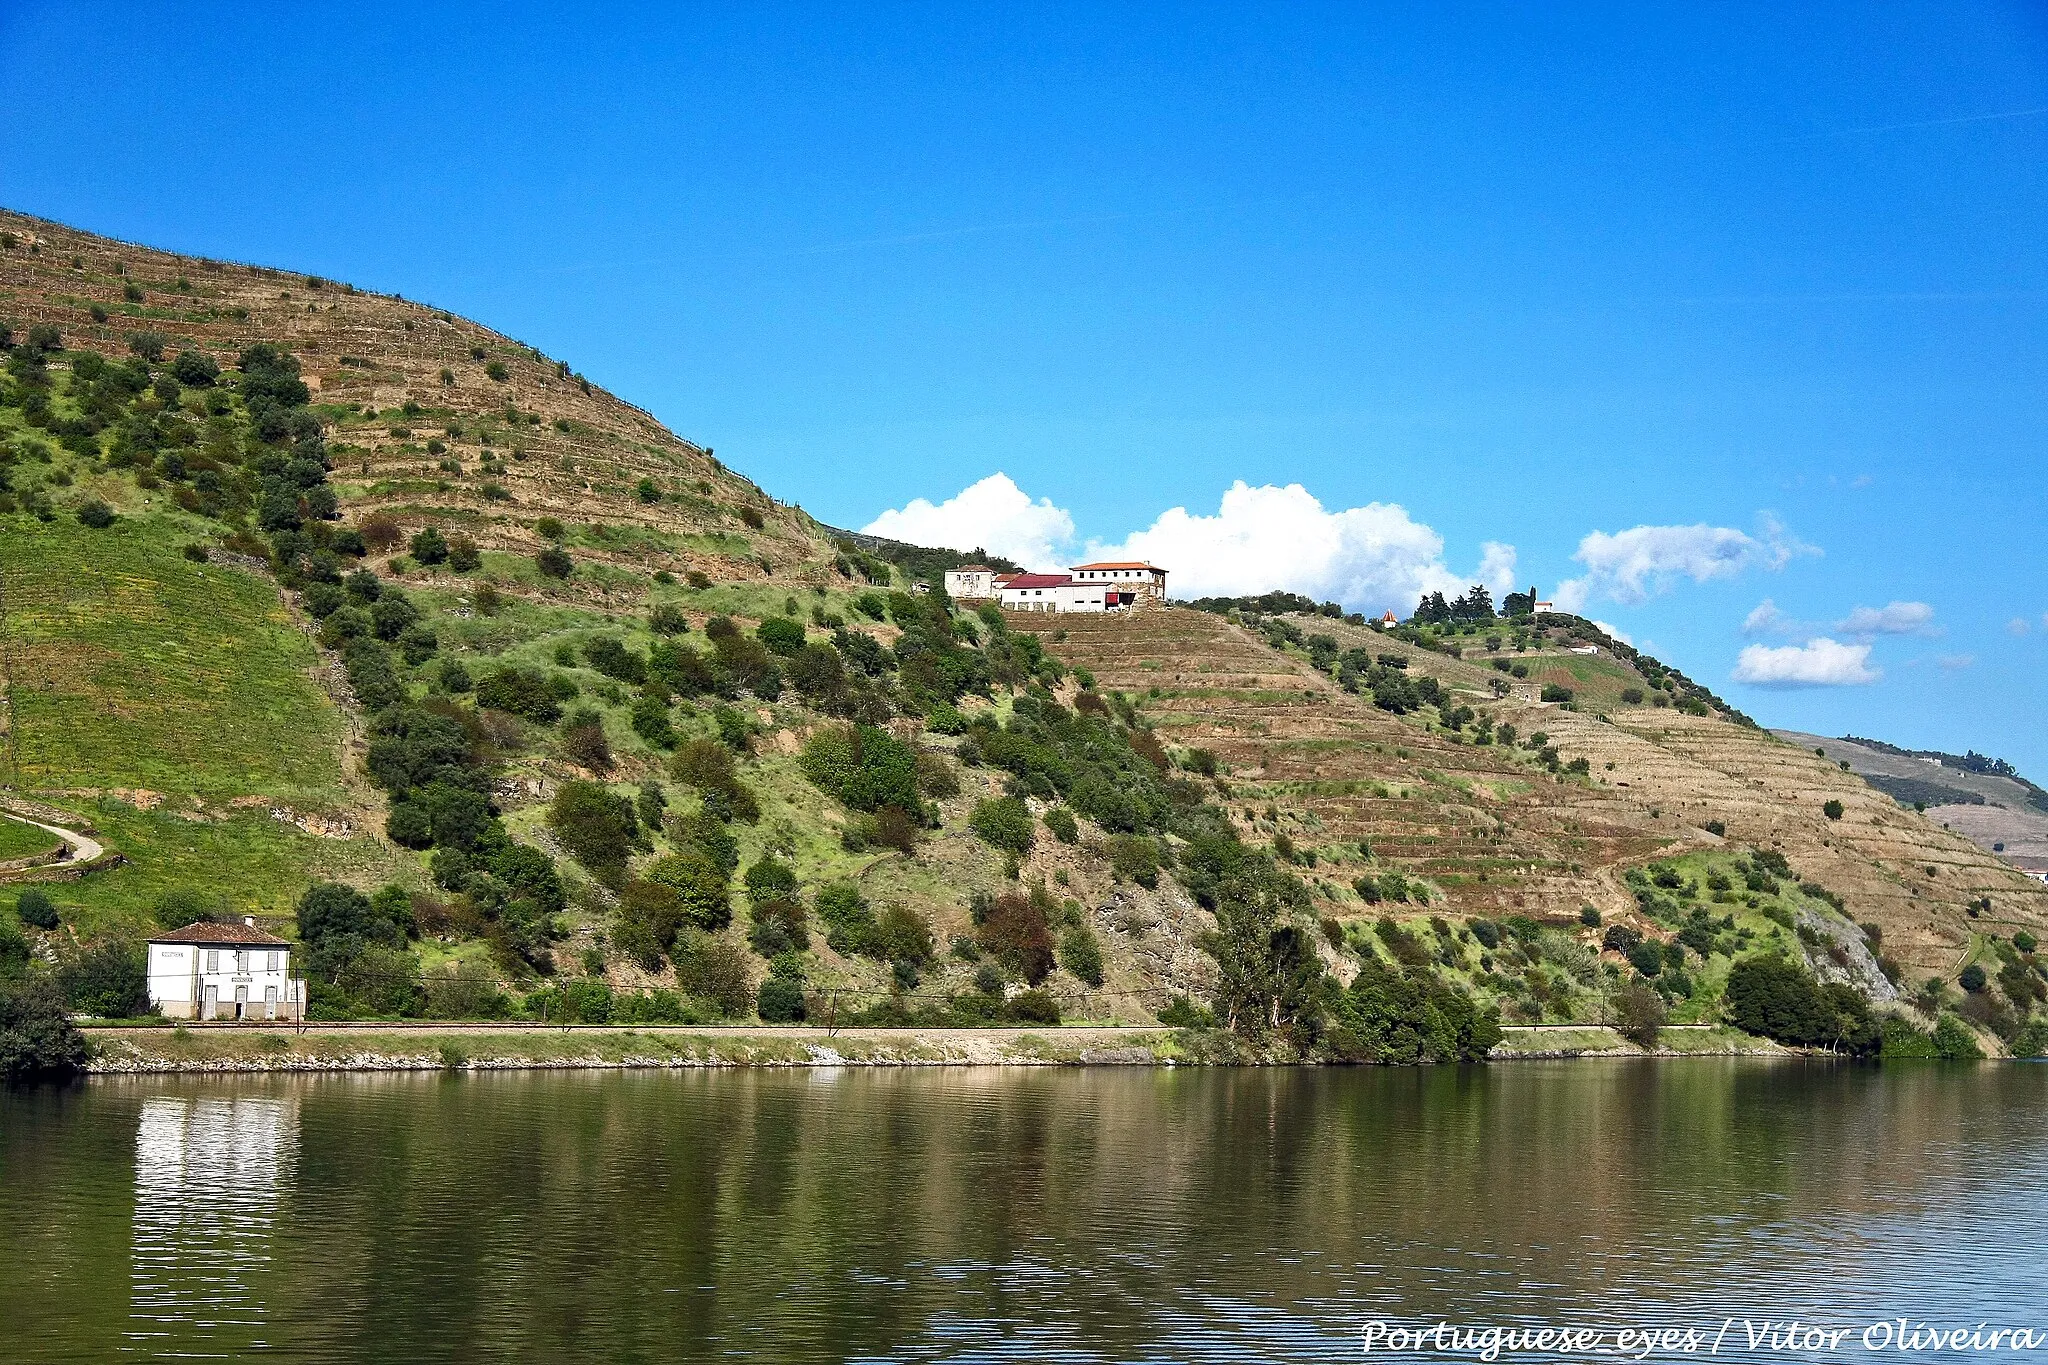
{"points": [[1843, 955]]}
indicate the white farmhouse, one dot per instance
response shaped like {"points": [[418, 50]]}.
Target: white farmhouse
{"points": [[971, 581], [1131, 578], [224, 971], [1056, 592]]}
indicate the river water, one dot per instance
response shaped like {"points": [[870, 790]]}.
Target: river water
{"points": [[1018, 1214]]}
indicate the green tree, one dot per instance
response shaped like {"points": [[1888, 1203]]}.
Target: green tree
{"points": [[429, 547], [38, 1041], [596, 826], [1081, 954], [1004, 822], [107, 980]]}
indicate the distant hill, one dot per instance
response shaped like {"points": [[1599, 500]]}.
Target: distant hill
{"points": [[1986, 800]]}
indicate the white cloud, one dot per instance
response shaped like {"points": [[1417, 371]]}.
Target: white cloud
{"points": [[1766, 619], [1895, 618], [1630, 566], [1497, 568], [1258, 540], [1817, 663], [993, 515], [1267, 538], [2018, 625], [1953, 663]]}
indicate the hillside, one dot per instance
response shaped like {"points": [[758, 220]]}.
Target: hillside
{"points": [[332, 609], [1999, 813]]}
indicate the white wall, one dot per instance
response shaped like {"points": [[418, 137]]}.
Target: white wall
{"points": [[179, 974]]}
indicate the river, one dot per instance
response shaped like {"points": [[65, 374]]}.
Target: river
{"points": [[1000, 1214]]}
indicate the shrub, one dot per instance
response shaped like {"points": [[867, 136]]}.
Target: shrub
{"points": [[1641, 1014], [850, 926], [1632, 696], [95, 513], [780, 1001], [1553, 692], [1134, 858], [1779, 999], [665, 619], [521, 692], [1060, 821], [429, 547], [596, 826], [1015, 932], [496, 372], [1647, 957], [380, 531], [148, 345], [38, 1041], [781, 635], [1181, 1012], [463, 555], [751, 518], [864, 767], [554, 562], [107, 980], [714, 971], [1005, 823], [647, 490], [1972, 979], [1034, 1007], [1832, 809], [895, 828], [195, 369], [34, 907], [703, 888], [1081, 954], [583, 740]]}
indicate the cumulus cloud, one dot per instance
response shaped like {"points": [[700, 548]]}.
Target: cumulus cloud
{"points": [[1258, 540], [1895, 618], [993, 515], [1817, 663], [1766, 619], [1271, 537], [1643, 561]]}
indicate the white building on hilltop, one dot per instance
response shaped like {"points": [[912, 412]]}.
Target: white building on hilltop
{"points": [[1056, 592], [1133, 577], [971, 581], [224, 971]]}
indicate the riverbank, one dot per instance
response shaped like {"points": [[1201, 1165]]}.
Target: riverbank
{"points": [[501, 1047]]}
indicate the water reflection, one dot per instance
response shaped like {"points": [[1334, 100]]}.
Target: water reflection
{"points": [[211, 1176], [1001, 1215]]}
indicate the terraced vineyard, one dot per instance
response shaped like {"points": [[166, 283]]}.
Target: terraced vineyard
{"points": [[432, 418], [1489, 829]]}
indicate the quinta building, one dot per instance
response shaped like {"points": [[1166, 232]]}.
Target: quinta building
{"points": [[1085, 587], [224, 971]]}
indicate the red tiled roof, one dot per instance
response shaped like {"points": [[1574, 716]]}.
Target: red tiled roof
{"points": [[972, 568], [1118, 564], [1040, 580], [220, 933]]}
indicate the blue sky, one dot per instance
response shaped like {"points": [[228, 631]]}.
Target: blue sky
{"points": [[1527, 276]]}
